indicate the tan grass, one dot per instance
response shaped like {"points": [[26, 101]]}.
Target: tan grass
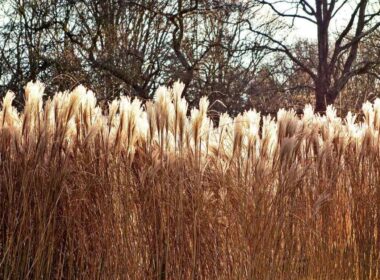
{"points": [[147, 191]]}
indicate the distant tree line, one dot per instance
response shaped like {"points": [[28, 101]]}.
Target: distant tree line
{"points": [[235, 52]]}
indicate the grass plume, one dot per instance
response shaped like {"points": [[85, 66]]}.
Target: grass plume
{"points": [[148, 191]]}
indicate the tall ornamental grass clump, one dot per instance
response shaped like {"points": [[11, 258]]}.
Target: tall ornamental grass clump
{"points": [[159, 191]]}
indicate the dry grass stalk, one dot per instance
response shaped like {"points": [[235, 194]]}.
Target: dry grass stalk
{"points": [[148, 192]]}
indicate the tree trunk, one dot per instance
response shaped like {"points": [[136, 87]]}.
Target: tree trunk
{"points": [[320, 104], [323, 98]]}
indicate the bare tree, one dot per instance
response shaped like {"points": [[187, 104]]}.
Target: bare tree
{"points": [[212, 53], [33, 45], [131, 47], [125, 42], [337, 52]]}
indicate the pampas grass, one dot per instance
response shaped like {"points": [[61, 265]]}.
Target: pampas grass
{"points": [[158, 191]]}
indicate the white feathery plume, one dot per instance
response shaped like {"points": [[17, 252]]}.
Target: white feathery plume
{"points": [[369, 113], [376, 108], [269, 136], [9, 116]]}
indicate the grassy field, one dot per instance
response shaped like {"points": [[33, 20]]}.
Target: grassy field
{"points": [[147, 191]]}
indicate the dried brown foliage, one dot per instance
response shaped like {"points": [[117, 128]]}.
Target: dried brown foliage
{"points": [[153, 194]]}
